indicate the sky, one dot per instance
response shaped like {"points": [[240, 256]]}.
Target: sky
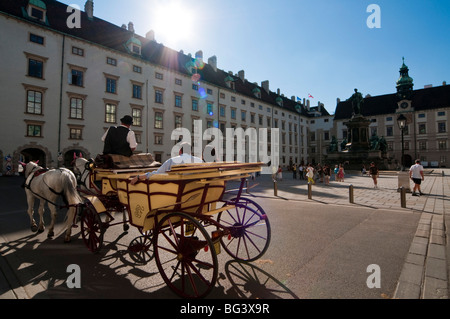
{"points": [[322, 48]]}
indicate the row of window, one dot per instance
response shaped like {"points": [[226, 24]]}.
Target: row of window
{"points": [[422, 129], [76, 77], [421, 146], [34, 106], [420, 116]]}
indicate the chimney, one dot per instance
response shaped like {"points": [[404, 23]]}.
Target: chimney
{"points": [[212, 61], [241, 75], [278, 91], [89, 9], [150, 35], [131, 26], [199, 55], [444, 83], [307, 105], [265, 86]]}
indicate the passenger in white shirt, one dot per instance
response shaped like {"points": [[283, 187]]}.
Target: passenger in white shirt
{"points": [[185, 157], [416, 174]]}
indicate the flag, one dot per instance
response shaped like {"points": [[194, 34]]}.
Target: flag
{"points": [[299, 99], [309, 95]]}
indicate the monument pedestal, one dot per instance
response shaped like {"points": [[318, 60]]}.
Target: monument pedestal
{"points": [[403, 181], [358, 133]]}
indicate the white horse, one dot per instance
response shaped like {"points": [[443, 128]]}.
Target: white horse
{"points": [[47, 186]]}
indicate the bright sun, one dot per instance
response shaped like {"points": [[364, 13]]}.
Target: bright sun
{"points": [[173, 22]]}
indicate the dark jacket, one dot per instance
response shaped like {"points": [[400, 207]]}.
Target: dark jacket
{"points": [[116, 141]]}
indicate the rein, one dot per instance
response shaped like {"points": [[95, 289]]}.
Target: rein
{"points": [[84, 179], [37, 171]]}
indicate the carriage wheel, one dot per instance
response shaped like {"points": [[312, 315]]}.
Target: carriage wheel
{"points": [[185, 256], [92, 228], [249, 230], [140, 249]]}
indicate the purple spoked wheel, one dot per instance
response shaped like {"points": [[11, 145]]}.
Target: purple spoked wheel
{"points": [[249, 230]]}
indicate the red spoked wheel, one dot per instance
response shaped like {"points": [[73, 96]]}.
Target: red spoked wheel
{"points": [[92, 228], [185, 256], [140, 248], [249, 230]]}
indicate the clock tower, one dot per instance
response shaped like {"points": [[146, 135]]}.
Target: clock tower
{"points": [[404, 89]]}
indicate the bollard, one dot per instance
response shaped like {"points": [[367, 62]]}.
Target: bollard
{"points": [[275, 188], [350, 194], [309, 191], [403, 197]]}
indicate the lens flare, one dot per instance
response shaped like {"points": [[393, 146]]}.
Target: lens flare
{"points": [[199, 64], [196, 78], [202, 93]]}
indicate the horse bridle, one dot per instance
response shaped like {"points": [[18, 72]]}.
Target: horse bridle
{"points": [[85, 174]]}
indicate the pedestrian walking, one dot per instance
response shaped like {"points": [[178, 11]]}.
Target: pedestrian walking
{"points": [[327, 174], [336, 171], [416, 174], [320, 172], [280, 174], [294, 171], [301, 168], [310, 174], [341, 173], [373, 171]]}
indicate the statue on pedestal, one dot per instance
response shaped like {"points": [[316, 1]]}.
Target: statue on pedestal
{"points": [[333, 145], [374, 142], [357, 101], [344, 144]]}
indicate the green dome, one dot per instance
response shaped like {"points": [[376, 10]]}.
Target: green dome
{"points": [[134, 41], [404, 79]]}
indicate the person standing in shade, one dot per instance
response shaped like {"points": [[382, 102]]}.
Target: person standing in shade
{"points": [[373, 171], [120, 140], [327, 174], [416, 174]]}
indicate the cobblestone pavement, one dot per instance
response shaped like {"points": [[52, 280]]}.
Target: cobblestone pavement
{"points": [[426, 270]]}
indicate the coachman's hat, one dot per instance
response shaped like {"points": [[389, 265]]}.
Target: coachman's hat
{"points": [[128, 120]]}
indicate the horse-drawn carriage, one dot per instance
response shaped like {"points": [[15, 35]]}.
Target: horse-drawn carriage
{"points": [[184, 216]]}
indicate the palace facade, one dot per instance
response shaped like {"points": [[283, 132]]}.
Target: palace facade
{"points": [[427, 112], [68, 76]]}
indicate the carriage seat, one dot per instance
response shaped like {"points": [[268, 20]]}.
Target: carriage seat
{"points": [[142, 160]]}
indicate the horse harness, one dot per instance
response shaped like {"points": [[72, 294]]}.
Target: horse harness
{"points": [[35, 172]]}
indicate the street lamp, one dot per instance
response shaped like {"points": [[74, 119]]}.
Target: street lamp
{"points": [[401, 121]]}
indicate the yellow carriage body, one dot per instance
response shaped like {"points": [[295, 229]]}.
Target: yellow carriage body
{"points": [[189, 188]]}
